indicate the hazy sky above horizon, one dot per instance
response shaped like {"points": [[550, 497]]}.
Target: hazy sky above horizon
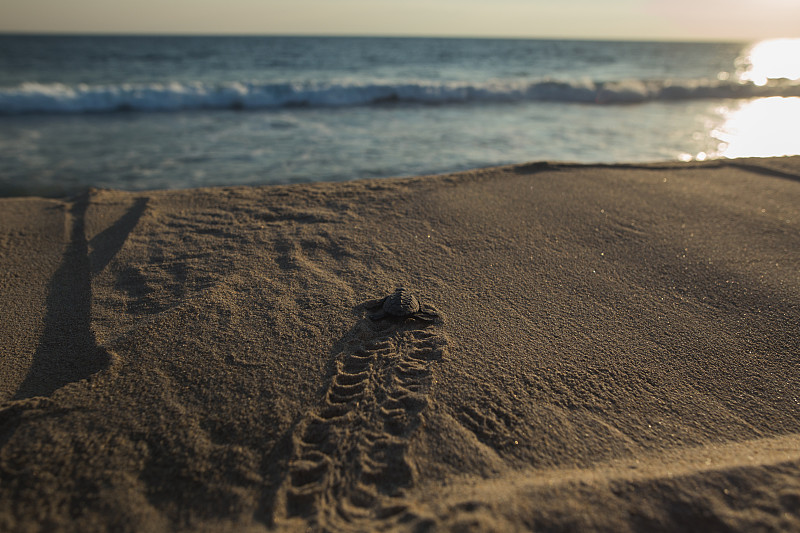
{"points": [[738, 20]]}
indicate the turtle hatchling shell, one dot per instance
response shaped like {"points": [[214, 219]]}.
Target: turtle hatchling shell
{"points": [[401, 303]]}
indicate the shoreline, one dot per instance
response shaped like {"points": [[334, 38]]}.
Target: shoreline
{"points": [[616, 350], [778, 166]]}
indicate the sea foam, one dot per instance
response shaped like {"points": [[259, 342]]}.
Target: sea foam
{"points": [[177, 96]]}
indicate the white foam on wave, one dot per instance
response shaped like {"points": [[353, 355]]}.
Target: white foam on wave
{"points": [[175, 96]]}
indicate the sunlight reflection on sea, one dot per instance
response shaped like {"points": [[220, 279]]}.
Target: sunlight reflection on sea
{"points": [[771, 60], [761, 127]]}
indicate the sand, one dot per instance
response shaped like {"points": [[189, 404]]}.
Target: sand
{"points": [[617, 349]]}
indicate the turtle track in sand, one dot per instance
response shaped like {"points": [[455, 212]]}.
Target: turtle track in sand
{"points": [[348, 461]]}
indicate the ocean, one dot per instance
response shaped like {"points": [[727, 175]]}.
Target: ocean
{"points": [[142, 112]]}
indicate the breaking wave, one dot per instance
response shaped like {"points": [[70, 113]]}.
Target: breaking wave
{"points": [[176, 96]]}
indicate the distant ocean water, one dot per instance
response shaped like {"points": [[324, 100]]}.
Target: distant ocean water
{"points": [[175, 112]]}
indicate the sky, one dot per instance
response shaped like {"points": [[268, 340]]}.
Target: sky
{"points": [[737, 20]]}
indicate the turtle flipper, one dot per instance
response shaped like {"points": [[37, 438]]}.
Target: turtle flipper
{"points": [[427, 314]]}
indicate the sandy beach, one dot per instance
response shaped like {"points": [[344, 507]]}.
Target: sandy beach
{"points": [[616, 348]]}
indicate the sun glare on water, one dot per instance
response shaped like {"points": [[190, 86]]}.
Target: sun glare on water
{"points": [[771, 60], [764, 127]]}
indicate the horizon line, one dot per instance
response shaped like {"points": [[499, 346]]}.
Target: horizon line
{"points": [[693, 40]]}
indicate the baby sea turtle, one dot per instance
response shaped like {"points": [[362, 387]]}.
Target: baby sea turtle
{"points": [[401, 304]]}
